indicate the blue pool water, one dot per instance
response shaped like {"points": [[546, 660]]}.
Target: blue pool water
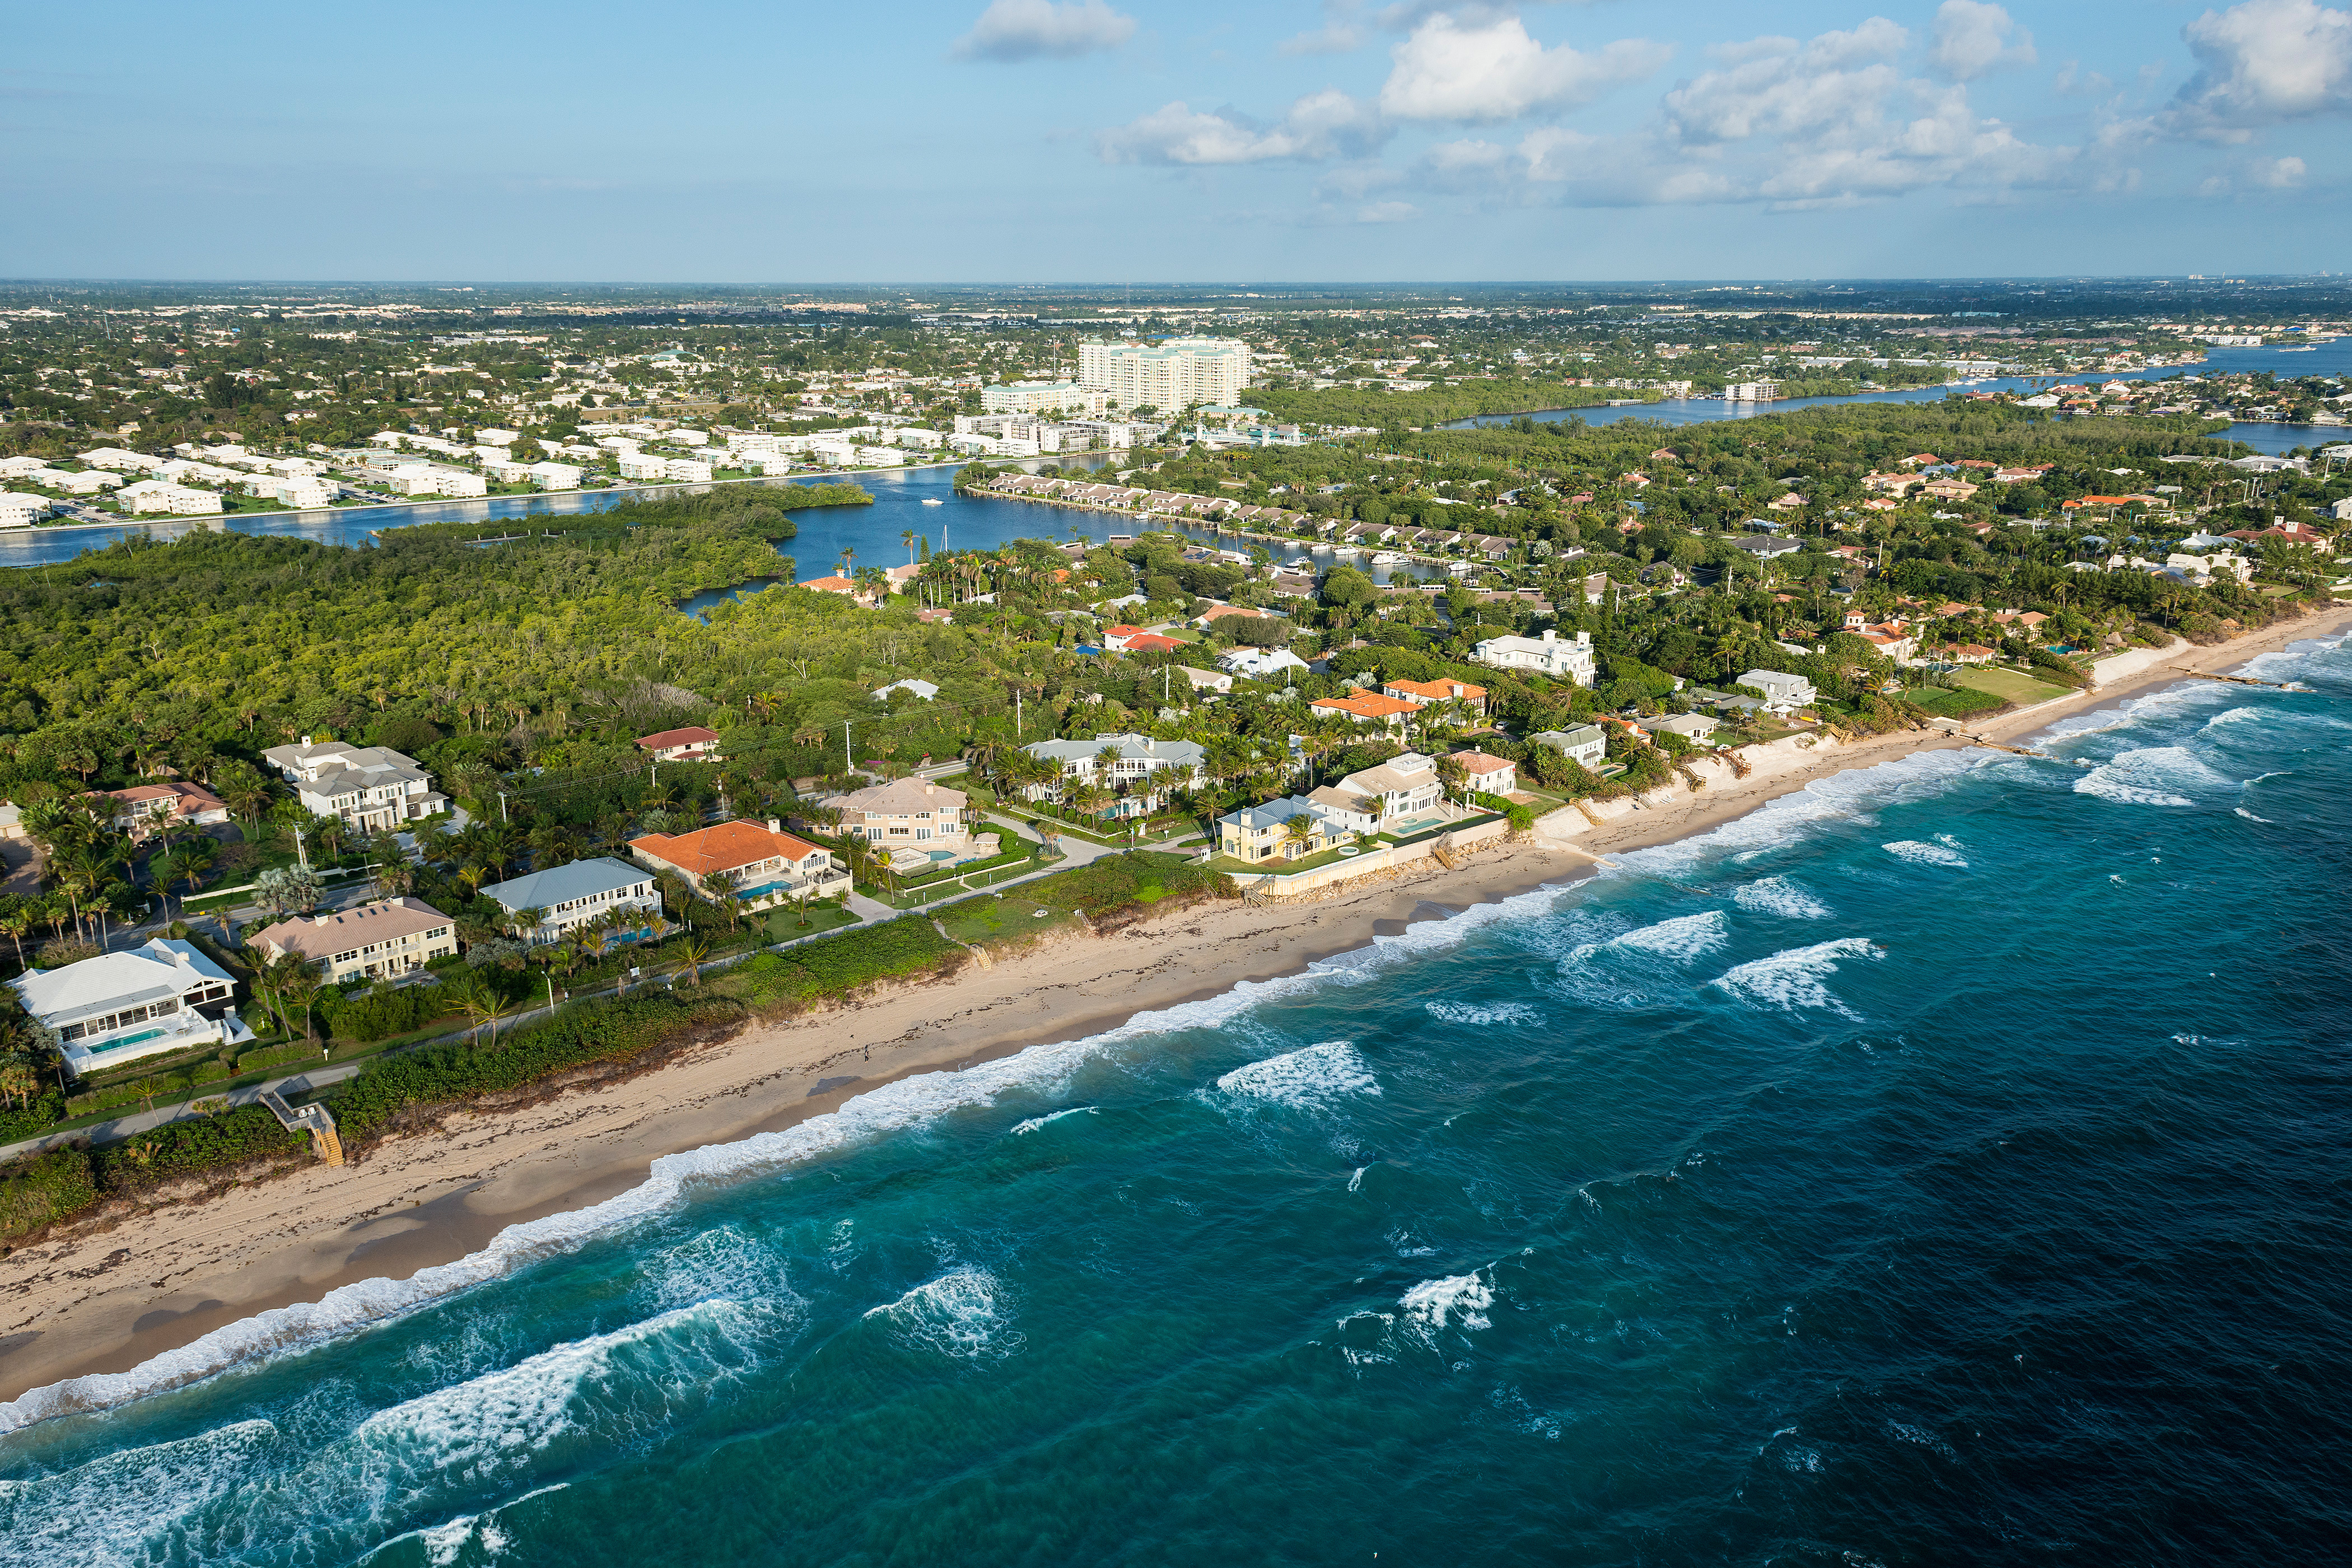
{"points": [[1942, 1164]]}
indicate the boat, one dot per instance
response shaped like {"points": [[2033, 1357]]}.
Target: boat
{"points": [[1386, 558], [933, 500]]}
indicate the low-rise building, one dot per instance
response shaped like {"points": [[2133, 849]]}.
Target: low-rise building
{"points": [[1488, 775], [1145, 768], [1783, 692], [1689, 726], [907, 813], [571, 896], [1272, 831], [1586, 744], [1430, 693], [371, 788], [1547, 654], [691, 744], [163, 498], [1369, 708], [1261, 663], [122, 1006], [381, 941], [1404, 786], [763, 866], [144, 810]]}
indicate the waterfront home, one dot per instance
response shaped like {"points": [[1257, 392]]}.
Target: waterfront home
{"points": [[381, 941], [762, 866], [1144, 769], [1783, 693], [1689, 726], [1404, 786], [118, 1007], [1488, 775], [1266, 832], [1546, 655], [906, 812], [836, 583], [370, 788], [1472, 699], [1367, 708], [144, 810], [692, 743], [1587, 744], [573, 895]]}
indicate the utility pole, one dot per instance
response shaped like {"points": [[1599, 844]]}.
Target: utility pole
{"points": [[846, 763], [502, 806]]}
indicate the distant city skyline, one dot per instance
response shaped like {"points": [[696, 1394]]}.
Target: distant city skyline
{"points": [[1053, 139]]}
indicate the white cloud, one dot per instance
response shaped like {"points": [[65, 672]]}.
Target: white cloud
{"points": [[1013, 30], [2279, 174], [1327, 124], [1972, 38], [1487, 67], [2261, 62]]}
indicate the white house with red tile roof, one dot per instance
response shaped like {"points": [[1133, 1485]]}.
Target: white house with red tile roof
{"points": [[691, 744]]}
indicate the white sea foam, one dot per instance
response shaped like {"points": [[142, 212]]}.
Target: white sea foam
{"points": [[1920, 854], [1462, 1298], [1795, 976], [1034, 1122], [956, 1315], [1313, 1077], [1494, 1012], [443, 1543], [120, 1508], [1778, 896], [2250, 816], [2234, 716], [2152, 776], [1679, 939], [1853, 796]]}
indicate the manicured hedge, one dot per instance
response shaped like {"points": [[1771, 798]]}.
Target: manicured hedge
{"points": [[596, 1031]]}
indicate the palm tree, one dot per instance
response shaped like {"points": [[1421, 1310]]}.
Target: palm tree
{"points": [[908, 539], [480, 1002], [297, 984], [693, 949], [1296, 833]]}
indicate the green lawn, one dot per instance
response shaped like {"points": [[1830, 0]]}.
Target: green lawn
{"points": [[2009, 685], [1958, 702], [1232, 866], [978, 920]]}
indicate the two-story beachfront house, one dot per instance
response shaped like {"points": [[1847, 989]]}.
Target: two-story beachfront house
{"points": [[122, 1006], [1400, 790], [370, 788], [1584, 743], [1266, 832], [1783, 692], [144, 810], [568, 896], [1486, 774], [381, 941], [1143, 768], [907, 813], [1547, 654], [763, 866], [691, 744]]}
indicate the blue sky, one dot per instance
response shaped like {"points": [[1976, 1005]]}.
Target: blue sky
{"points": [[1136, 140]]}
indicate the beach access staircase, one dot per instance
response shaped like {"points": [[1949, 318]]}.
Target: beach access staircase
{"points": [[315, 1119]]}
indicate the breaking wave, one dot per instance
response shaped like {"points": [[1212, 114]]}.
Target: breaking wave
{"points": [[1496, 1013], [1795, 977], [1312, 1077], [1778, 896]]}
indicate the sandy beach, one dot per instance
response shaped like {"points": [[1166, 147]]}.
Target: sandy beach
{"points": [[109, 1292]]}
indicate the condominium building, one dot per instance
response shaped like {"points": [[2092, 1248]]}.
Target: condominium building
{"points": [[1043, 397], [375, 941], [1167, 376], [168, 499], [372, 788]]}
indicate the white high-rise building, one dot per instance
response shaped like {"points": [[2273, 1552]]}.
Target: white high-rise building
{"points": [[1168, 376]]}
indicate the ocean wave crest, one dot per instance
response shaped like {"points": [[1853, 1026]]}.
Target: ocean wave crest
{"points": [[956, 1315], [1794, 977], [1922, 854], [1679, 939], [1462, 1298], [1034, 1122], [1778, 896], [1313, 1077], [121, 1507], [1492, 1012], [2152, 776]]}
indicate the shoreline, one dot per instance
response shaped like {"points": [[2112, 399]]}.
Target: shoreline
{"points": [[115, 1292]]}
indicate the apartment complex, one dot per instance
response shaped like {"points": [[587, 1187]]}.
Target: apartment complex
{"points": [[371, 788], [1177, 373], [375, 941], [1043, 397]]}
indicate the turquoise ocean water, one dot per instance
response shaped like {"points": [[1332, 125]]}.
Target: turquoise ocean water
{"points": [[1944, 1164]]}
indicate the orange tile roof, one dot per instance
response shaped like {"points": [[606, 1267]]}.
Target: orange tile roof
{"points": [[722, 847], [1150, 642], [834, 584], [1364, 705], [1480, 762], [1439, 691]]}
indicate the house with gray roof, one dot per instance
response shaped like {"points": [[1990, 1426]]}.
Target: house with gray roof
{"points": [[571, 896], [371, 788], [121, 1006], [1142, 769]]}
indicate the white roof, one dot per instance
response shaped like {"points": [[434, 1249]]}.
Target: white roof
{"points": [[113, 979]]}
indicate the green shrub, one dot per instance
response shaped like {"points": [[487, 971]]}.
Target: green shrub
{"points": [[31, 1120], [46, 1187], [907, 945], [192, 1146], [601, 1030]]}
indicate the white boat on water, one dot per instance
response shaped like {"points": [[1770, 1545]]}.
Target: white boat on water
{"points": [[933, 500], [1387, 558]]}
